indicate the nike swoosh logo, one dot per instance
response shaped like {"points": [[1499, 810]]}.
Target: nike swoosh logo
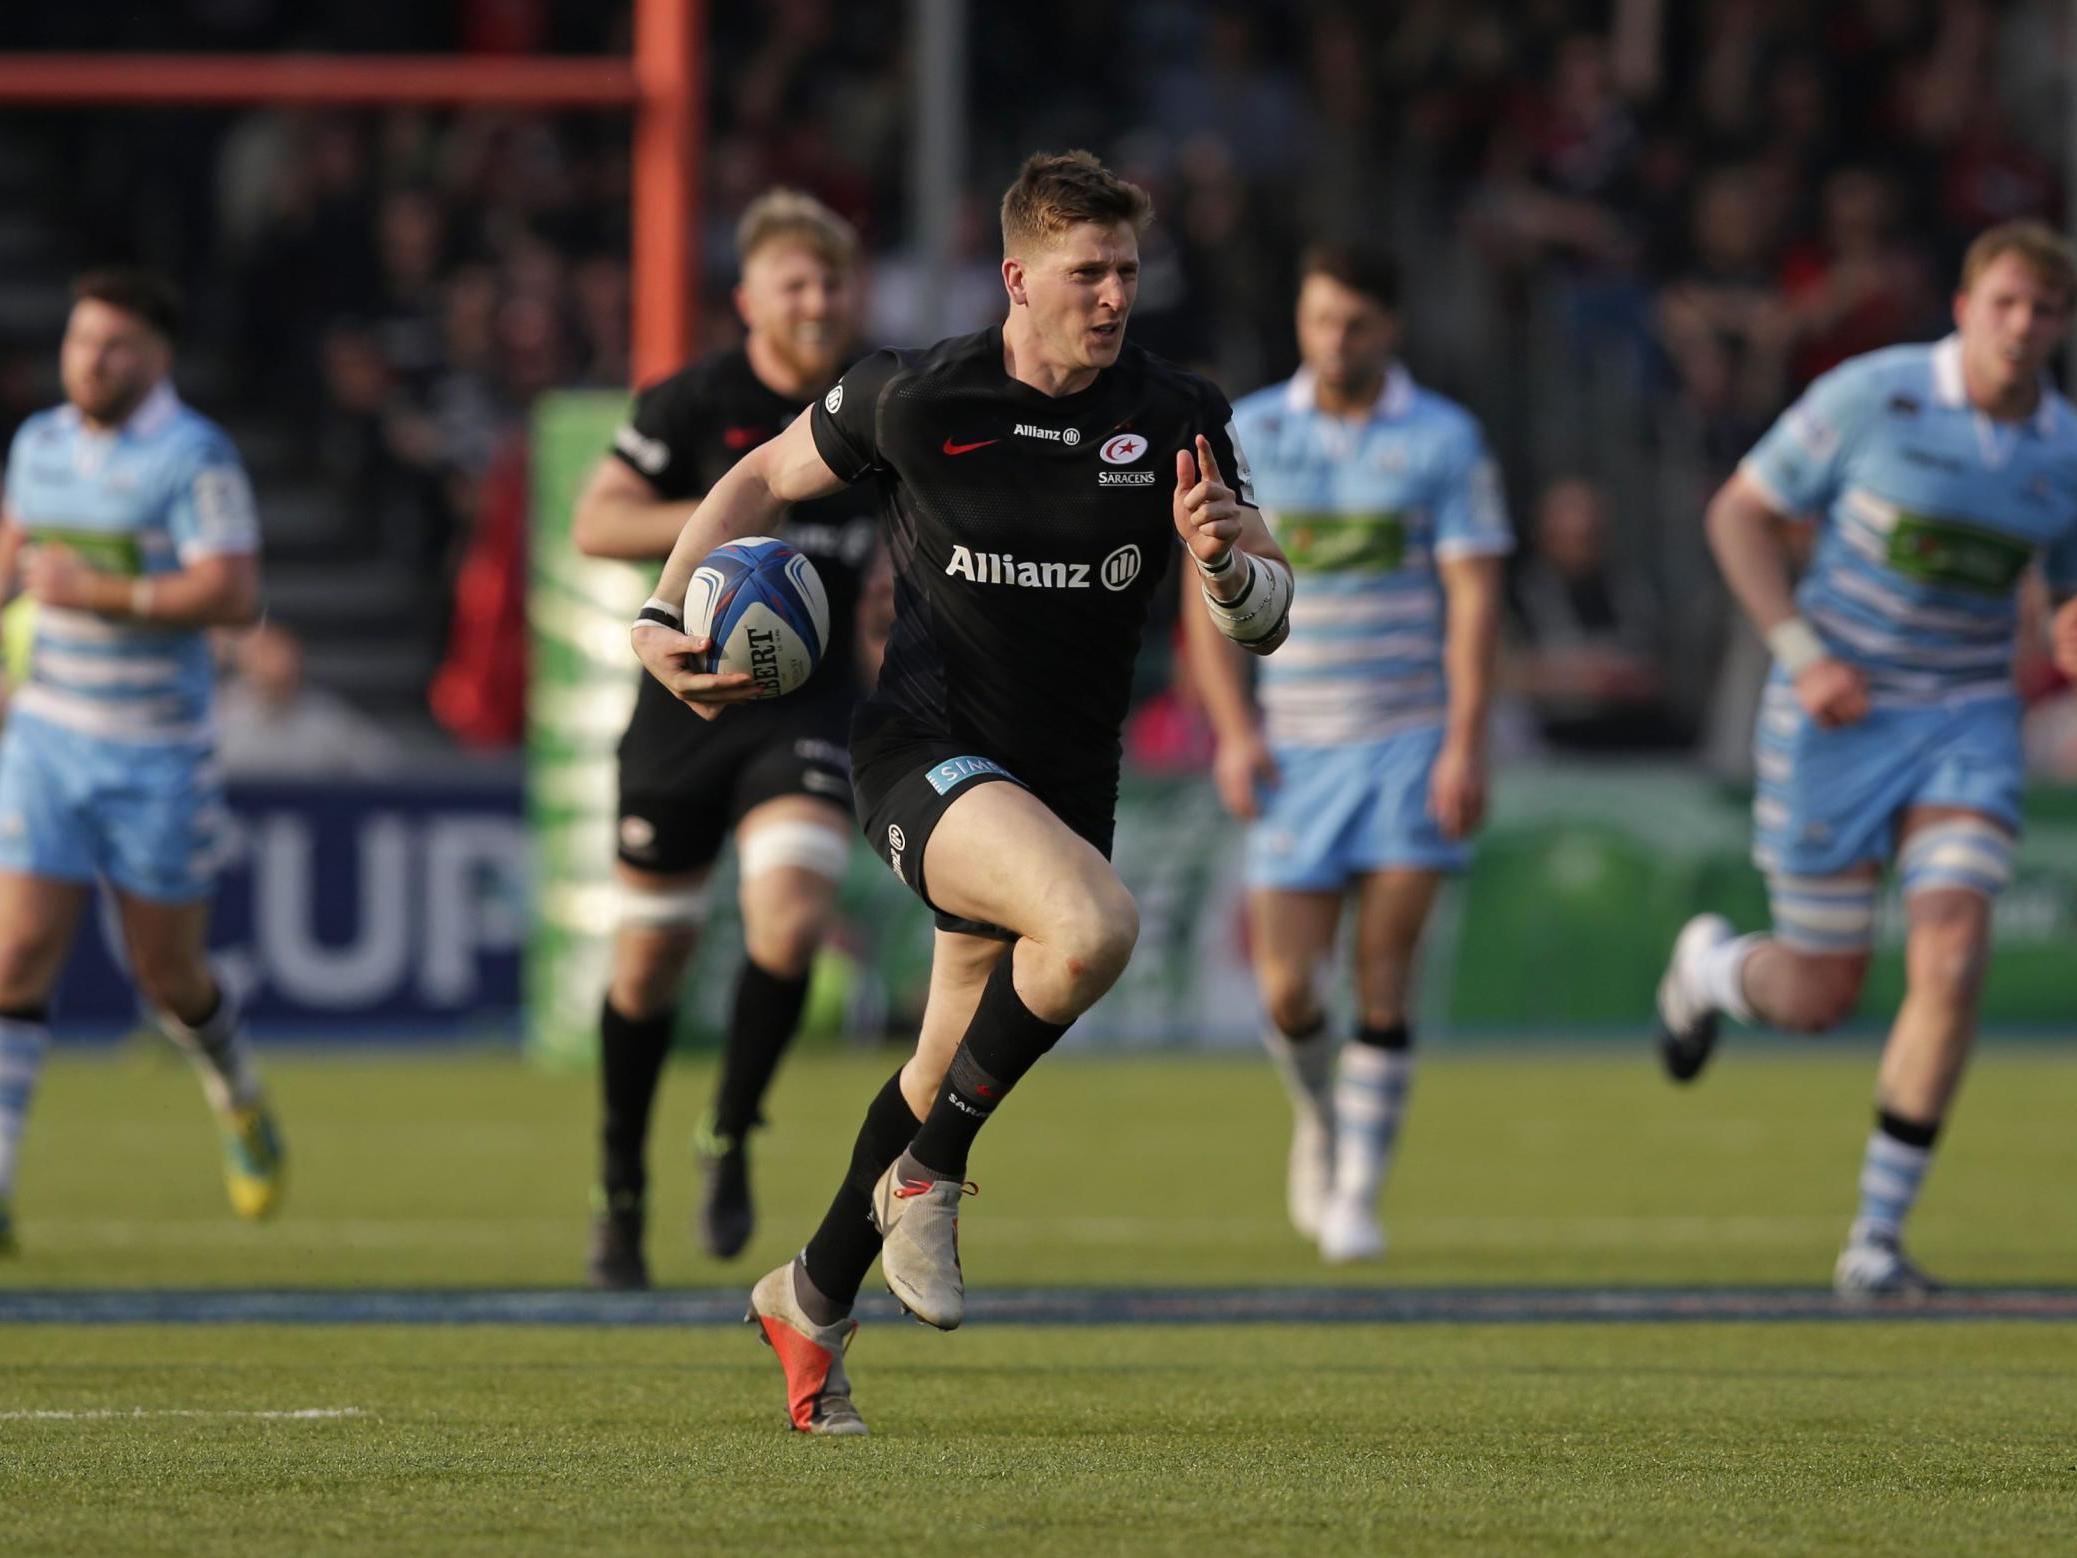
{"points": [[952, 448], [912, 1187]]}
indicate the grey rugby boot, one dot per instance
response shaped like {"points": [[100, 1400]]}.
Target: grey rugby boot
{"points": [[919, 1221], [818, 1391], [1873, 1266]]}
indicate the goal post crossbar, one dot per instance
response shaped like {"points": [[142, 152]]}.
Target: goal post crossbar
{"points": [[662, 84]]}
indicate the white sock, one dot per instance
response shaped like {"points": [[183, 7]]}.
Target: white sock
{"points": [[222, 1060], [1305, 1066], [1720, 972], [22, 1048], [1369, 1100]]}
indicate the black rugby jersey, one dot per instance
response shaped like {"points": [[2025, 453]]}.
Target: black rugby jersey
{"points": [[1028, 533], [683, 435]]}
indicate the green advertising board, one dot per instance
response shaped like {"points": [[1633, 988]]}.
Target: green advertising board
{"points": [[580, 690]]}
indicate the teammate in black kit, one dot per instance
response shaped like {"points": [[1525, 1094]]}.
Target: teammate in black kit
{"points": [[1033, 479], [776, 776]]}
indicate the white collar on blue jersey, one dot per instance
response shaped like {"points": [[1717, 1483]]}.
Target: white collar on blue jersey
{"points": [[1950, 389], [1395, 397], [153, 412]]}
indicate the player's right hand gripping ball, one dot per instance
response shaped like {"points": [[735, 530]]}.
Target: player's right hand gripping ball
{"points": [[762, 605]]}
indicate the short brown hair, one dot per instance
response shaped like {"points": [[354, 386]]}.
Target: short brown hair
{"points": [[2040, 245], [1058, 190], [788, 216], [134, 290], [1372, 272]]}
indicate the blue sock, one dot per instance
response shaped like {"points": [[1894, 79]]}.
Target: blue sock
{"points": [[1892, 1170], [24, 1040]]}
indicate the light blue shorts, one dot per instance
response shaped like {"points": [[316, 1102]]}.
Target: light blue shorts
{"points": [[1828, 800], [149, 819], [1343, 812]]}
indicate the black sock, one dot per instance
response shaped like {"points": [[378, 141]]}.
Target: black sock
{"points": [[1004, 1041], [1397, 1036], [766, 1012], [1910, 1132], [631, 1057], [844, 1247]]}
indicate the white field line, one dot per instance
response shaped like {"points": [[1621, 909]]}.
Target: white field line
{"points": [[1542, 1233], [101, 1415]]}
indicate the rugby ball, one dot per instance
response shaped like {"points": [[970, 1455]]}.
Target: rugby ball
{"points": [[763, 606]]}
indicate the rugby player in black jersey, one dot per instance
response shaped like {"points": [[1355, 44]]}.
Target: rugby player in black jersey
{"points": [[777, 776], [1033, 479]]}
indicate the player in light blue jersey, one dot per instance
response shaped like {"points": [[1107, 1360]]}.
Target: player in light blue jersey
{"points": [[1889, 732], [129, 520], [1363, 772]]}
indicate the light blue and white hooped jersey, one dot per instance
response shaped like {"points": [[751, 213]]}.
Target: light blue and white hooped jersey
{"points": [[153, 496], [1365, 508], [1930, 511]]}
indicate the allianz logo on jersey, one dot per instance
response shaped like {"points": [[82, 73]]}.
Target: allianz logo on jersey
{"points": [[1069, 436], [1115, 571]]}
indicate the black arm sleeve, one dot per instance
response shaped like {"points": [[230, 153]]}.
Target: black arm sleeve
{"points": [[846, 421], [659, 441]]}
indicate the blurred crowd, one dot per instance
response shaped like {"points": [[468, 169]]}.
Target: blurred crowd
{"points": [[1682, 211]]}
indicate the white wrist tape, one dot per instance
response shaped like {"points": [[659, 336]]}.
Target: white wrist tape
{"points": [[1257, 614], [1223, 567], [656, 609], [1796, 646]]}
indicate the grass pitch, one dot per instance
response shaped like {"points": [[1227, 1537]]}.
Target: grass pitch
{"points": [[1529, 1167]]}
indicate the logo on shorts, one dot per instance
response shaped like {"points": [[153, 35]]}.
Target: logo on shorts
{"points": [[1121, 567], [897, 841], [1123, 449], [637, 835], [834, 400], [955, 771]]}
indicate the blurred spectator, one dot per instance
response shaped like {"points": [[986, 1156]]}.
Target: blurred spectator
{"points": [[271, 724], [1591, 644], [1859, 286], [1722, 320]]}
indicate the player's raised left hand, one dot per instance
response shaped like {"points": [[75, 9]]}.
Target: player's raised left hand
{"points": [[1207, 513], [55, 576], [1457, 789], [2062, 638]]}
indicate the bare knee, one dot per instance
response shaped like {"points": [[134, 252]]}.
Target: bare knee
{"points": [[1288, 997], [782, 940], [1091, 944], [647, 970], [1946, 958], [1820, 993]]}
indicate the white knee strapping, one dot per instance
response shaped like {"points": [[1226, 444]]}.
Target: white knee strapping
{"points": [[1823, 913], [1972, 854], [807, 846], [661, 908]]}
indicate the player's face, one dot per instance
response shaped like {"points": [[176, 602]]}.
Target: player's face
{"points": [[1346, 337], [803, 307], [2011, 322], [1080, 289], [110, 360]]}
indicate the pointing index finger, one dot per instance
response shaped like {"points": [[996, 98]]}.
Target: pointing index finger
{"points": [[1207, 462]]}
